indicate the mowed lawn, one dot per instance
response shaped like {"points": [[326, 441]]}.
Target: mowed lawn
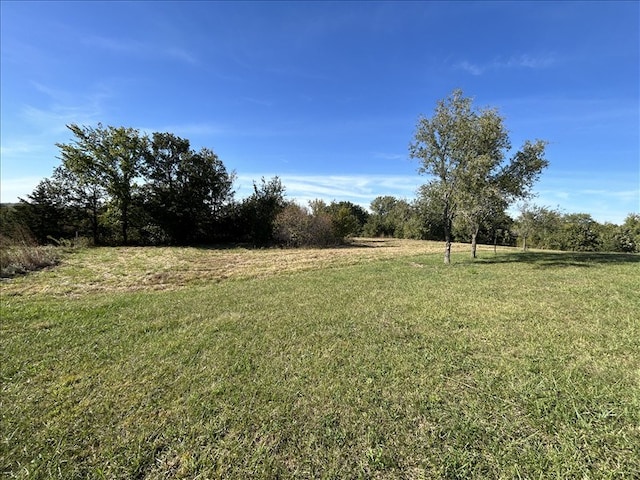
{"points": [[373, 361]]}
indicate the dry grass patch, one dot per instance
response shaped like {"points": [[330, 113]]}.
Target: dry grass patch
{"points": [[22, 254], [168, 268]]}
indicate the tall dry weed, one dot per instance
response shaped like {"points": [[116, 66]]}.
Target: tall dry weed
{"points": [[20, 253]]}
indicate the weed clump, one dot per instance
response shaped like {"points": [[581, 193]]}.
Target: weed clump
{"points": [[20, 253]]}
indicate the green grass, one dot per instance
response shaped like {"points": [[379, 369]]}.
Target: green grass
{"points": [[512, 366]]}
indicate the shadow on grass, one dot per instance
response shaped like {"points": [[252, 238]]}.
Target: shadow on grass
{"points": [[563, 259]]}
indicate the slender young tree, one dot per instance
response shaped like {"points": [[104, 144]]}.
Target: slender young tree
{"points": [[496, 184], [463, 150], [445, 147]]}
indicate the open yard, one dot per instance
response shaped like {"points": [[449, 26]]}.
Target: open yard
{"points": [[369, 361]]}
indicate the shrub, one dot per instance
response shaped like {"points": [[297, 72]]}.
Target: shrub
{"points": [[295, 227]]}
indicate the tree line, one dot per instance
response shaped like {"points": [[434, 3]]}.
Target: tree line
{"points": [[550, 229], [533, 227], [117, 186]]}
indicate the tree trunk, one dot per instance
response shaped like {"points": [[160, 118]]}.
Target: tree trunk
{"points": [[474, 243], [524, 243], [447, 242], [447, 252], [495, 243], [94, 225], [94, 219], [125, 223]]}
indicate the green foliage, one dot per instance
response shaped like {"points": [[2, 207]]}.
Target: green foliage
{"points": [[258, 212], [429, 209], [628, 236], [348, 218], [382, 222], [45, 213], [117, 186], [540, 227], [109, 158], [186, 191], [393, 217], [579, 233], [85, 201], [90, 178], [463, 149]]}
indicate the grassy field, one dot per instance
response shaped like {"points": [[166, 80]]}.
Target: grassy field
{"points": [[373, 361]]}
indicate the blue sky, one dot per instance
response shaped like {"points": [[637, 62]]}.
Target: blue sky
{"points": [[326, 95]]}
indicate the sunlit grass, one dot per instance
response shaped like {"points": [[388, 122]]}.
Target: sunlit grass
{"points": [[349, 363], [106, 269]]}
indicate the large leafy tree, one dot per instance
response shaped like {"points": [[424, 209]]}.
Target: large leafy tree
{"points": [[347, 218], [108, 157], [382, 221], [206, 190], [579, 233], [463, 150], [161, 170], [629, 235], [444, 146], [480, 195], [185, 190]]}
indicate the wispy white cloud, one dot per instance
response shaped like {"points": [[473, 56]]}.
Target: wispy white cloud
{"points": [[620, 195], [607, 198], [187, 130], [66, 107], [117, 45], [528, 61], [17, 148], [469, 67], [359, 189], [140, 49], [388, 156], [29, 141], [516, 61], [55, 119], [182, 55], [217, 129]]}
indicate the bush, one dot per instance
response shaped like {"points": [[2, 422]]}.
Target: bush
{"points": [[295, 227]]}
